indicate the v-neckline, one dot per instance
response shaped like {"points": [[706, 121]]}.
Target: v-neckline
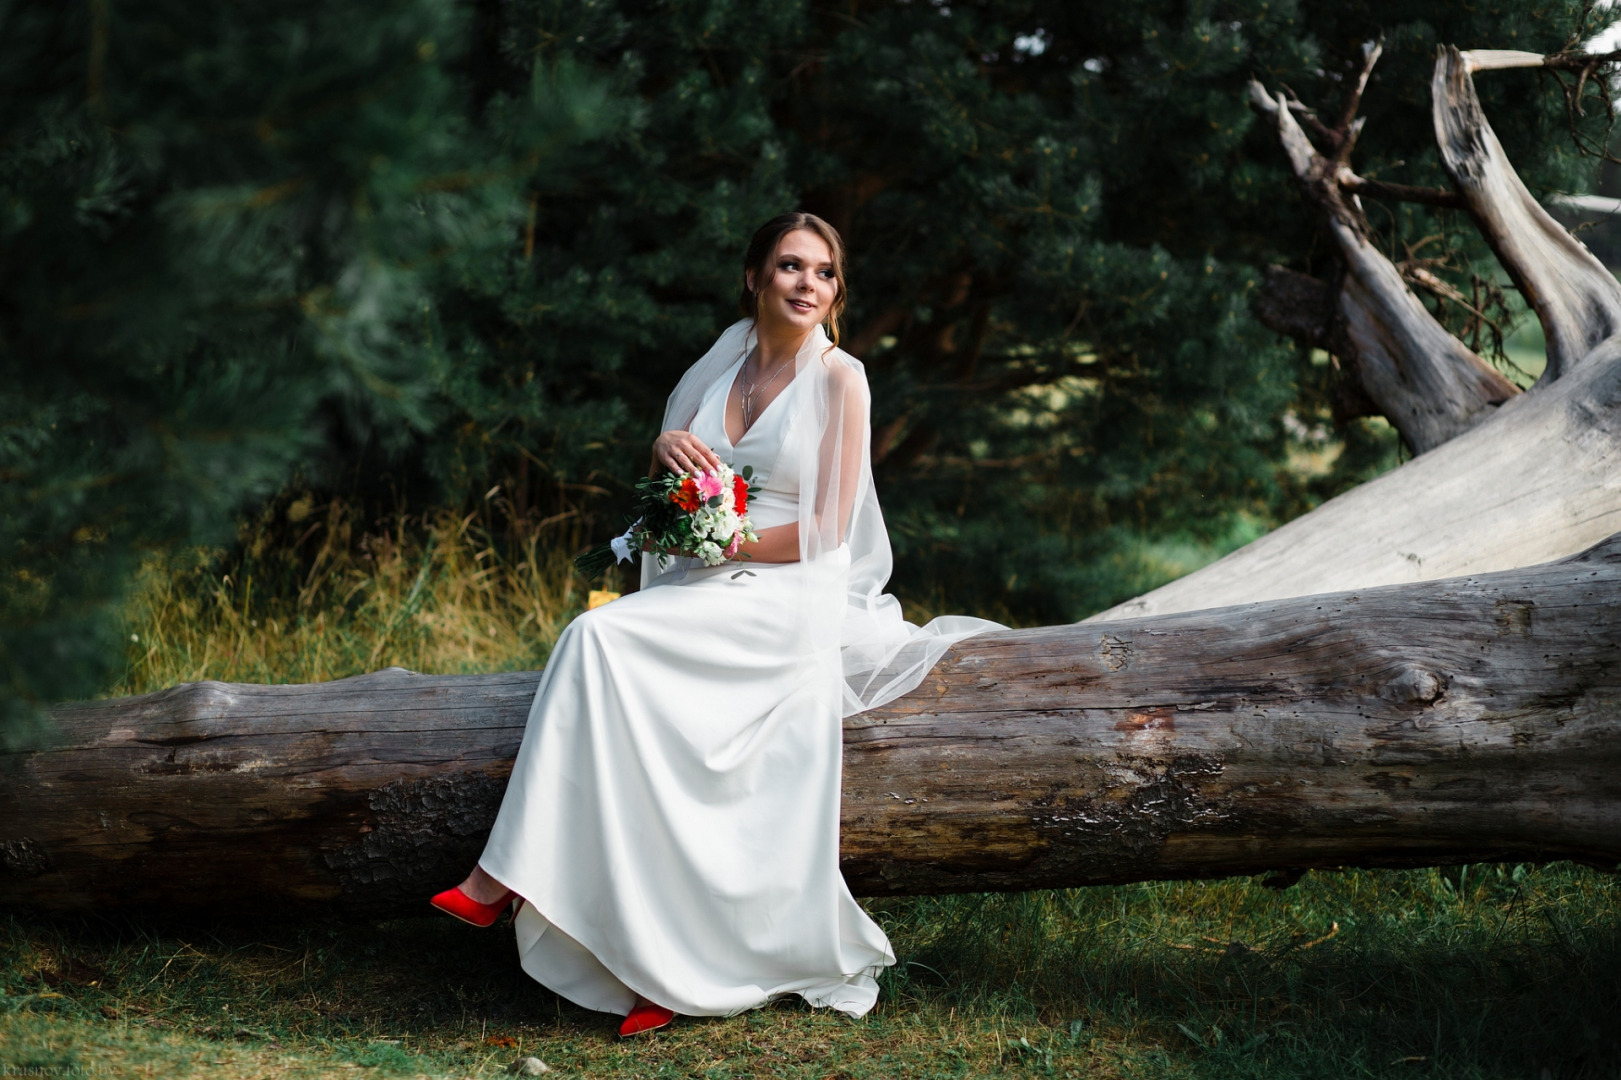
{"points": [[726, 400]]}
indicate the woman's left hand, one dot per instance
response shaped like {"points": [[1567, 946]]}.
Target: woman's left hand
{"points": [[682, 451]]}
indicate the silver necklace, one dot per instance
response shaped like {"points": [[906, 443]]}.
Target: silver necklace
{"points": [[752, 391]]}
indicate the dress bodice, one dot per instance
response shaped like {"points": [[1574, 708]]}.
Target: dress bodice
{"points": [[776, 473]]}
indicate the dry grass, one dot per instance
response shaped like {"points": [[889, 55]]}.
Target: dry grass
{"points": [[310, 596]]}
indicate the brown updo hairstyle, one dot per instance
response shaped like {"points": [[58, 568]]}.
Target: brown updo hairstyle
{"points": [[764, 245]]}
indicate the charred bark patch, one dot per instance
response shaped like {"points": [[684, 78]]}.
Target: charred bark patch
{"points": [[24, 858], [418, 830]]}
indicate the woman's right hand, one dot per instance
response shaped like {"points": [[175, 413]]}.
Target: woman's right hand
{"points": [[682, 451]]}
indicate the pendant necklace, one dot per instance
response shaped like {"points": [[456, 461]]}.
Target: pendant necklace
{"points": [[752, 391]]}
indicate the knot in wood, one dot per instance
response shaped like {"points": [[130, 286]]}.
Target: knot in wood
{"points": [[1415, 685], [24, 858], [1114, 652]]}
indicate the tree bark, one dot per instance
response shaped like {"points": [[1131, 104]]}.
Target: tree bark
{"points": [[1464, 720]]}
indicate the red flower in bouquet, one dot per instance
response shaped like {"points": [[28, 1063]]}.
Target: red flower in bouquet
{"points": [[686, 496], [740, 495]]}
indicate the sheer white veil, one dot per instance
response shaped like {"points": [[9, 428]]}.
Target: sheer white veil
{"points": [[843, 545]]}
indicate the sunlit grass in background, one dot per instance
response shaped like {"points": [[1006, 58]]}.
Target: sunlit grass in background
{"points": [[1526, 349], [313, 595], [1477, 971]]}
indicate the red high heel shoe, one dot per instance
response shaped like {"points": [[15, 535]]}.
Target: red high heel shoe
{"points": [[646, 1016], [464, 907]]}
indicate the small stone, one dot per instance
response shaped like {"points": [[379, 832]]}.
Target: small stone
{"points": [[528, 1066]]}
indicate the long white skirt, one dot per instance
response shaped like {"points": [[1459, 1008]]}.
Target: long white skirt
{"points": [[672, 820]]}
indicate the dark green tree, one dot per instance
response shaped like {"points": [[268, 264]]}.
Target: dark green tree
{"points": [[220, 232]]}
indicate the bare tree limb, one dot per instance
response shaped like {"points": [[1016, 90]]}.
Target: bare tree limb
{"points": [[1378, 189], [1350, 125], [1426, 382], [1576, 299], [1504, 59]]}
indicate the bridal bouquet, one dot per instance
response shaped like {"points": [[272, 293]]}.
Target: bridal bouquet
{"points": [[703, 514]]}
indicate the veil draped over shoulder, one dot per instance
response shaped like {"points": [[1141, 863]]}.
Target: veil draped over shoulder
{"points": [[843, 545]]}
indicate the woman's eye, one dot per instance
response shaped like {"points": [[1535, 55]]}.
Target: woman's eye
{"points": [[828, 274], [789, 265]]}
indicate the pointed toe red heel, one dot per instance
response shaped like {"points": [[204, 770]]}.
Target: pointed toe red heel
{"points": [[646, 1016], [470, 911]]}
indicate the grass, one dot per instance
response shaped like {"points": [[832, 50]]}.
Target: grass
{"points": [[1477, 971], [311, 595], [1473, 971]]}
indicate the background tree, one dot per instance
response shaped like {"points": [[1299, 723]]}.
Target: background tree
{"points": [[220, 230]]}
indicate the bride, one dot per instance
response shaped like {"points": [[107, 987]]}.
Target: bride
{"points": [[670, 831]]}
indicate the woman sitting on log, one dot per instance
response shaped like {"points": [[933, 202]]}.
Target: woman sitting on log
{"points": [[670, 830]]}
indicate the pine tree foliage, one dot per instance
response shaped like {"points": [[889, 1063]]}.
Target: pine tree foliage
{"points": [[220, 230]]}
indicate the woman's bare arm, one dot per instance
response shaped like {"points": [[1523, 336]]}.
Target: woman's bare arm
{"points": [[778, 544], [843, 449]]}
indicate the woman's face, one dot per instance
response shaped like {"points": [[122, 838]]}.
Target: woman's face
{"points": [[801, 292]]}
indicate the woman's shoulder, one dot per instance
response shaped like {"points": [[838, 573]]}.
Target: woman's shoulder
{"points": [[842, 383], [843, 370]]}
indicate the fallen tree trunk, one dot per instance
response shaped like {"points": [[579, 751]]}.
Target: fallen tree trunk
{"points": [[1465, 720]]}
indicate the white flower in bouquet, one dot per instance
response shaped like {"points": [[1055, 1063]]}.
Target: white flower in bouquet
{"points": [[723, 523]]}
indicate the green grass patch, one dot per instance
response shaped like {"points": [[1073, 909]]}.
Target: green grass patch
{"points": [[1474, 971]]}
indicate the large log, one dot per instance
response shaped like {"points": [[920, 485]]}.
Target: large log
{"points": [[1464, 720]]}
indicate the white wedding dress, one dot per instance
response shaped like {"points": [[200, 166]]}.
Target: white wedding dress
{"points": [[672, 820]]}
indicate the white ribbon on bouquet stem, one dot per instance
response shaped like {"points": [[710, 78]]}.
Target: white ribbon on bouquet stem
{"points": [[621, 544]]}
